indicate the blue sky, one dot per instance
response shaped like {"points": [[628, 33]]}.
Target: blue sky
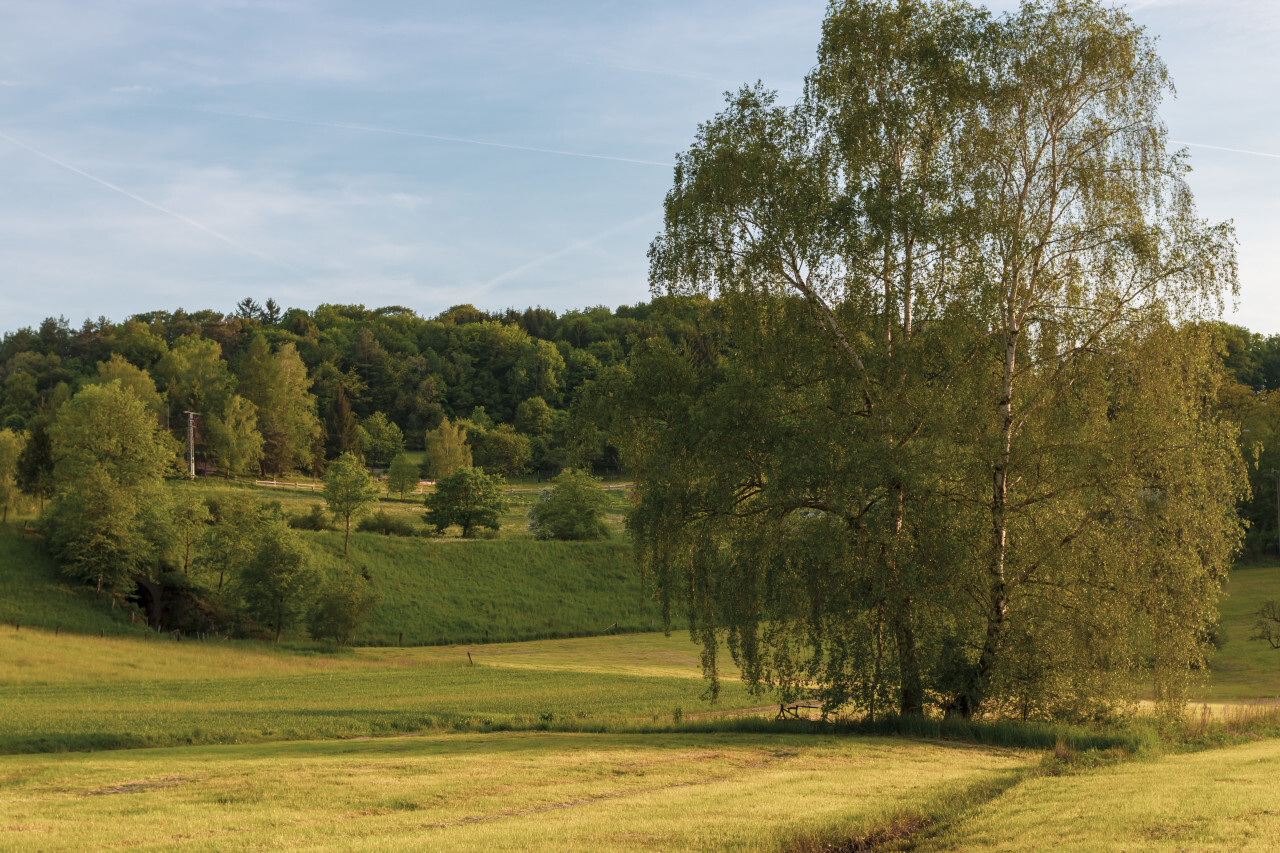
{"points": [[157, 154]]}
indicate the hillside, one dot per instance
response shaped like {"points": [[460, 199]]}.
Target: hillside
{"points": [[431, 590]]}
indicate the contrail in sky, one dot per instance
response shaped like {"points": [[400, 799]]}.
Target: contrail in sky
{"points": [[435, 136], [151, 204], [1221, 148], [567, 250]]}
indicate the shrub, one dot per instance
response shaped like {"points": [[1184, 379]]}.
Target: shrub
{"points": [[315, 519], [386, 524], [342, 607], [571, 509]]}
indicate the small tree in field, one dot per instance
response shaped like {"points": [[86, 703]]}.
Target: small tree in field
{"points": [[342, 607], [402, 476], [571, 509], [468, 498], [278, 583], [348, 489]]}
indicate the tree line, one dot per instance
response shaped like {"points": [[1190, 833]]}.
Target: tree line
{"points": [[278, 390]]}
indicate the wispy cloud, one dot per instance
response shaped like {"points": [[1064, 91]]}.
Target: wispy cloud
{"points": [[570, 249], [437, 137], [151, 204], [1224, 148]]}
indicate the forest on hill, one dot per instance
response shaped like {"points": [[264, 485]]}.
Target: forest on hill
{"points": [[530, 386], [345, 378]]}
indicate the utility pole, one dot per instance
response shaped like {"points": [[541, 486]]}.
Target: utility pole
{"points": [[191, 445]]}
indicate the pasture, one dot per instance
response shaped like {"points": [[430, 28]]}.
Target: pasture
{"points": [[507, 791], [597, 742]]}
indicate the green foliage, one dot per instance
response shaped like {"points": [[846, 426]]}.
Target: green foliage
{"points": [[189, 517], [278, 583], [342, 426], [134, 379], [106, 523], [342, 607], [237, 444], [468, 498], [499, 450], [386, 524], [230, 543], [447, 449], [11, 446], [380, 440], [402, 476], [314, 519], [195, 375], [348, 489], [278, 386], [34, 475], [571, 509], [912, 456]]}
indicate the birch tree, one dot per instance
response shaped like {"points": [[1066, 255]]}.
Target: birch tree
{"points": [[956, 280]]}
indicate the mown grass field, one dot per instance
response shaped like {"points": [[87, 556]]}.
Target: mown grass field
{"points": [[1223, 799], [507, 791]]}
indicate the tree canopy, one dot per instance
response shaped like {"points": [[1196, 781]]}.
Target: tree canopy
{"points": [[949, 442], [348, 489], [106, 522], [468, 498]]}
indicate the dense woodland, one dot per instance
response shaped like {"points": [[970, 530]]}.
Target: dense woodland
{"points": [[316, 384], [342, 368]]}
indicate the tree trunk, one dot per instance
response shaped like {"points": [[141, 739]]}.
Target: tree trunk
{"points": [[912, 691], [346, 542], [997, 589]]}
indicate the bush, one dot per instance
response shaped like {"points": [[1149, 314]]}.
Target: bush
{"points": [[316, 519], [571, 509], [342, 607], [386, 524], [469, 498]]}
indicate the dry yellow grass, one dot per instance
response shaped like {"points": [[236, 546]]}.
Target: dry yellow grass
{"points": [[500, 792]]}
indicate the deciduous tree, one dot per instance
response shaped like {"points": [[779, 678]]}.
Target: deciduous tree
{"points": [[570, 509], [402, 476], [958, 380], [348, 490], [447, 449], [11, 444], [109, 457], [468, 498], [278, 584]]}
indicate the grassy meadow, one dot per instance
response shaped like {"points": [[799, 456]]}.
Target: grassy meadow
{"points": [[112, 740], [73, 692], [1223, 799], [506, 791], [435, 590]]}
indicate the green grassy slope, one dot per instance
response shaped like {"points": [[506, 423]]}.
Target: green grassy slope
{"points": [[432, 590], [76, 692], [32, 592], [440, 592], [1245, 669]]}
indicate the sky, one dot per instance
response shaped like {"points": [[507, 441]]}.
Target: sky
{"points": [[156, 155]]}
